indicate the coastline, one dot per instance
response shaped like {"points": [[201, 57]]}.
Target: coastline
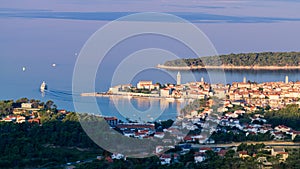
{"points": [[136, 96], [229, 67]]}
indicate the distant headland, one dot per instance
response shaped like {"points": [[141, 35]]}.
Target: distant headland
{"points": [[256, 61]]}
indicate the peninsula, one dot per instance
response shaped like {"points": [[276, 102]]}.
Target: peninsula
{"points": [[256, 61]]}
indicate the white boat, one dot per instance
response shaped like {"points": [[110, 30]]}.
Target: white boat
{"points": [[43, 86]]}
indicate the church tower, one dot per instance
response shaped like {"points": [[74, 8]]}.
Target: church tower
{"points": [[178, 78]]}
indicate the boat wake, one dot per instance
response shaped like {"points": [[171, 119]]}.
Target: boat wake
{"points": [[59, 95], [65, 95]]}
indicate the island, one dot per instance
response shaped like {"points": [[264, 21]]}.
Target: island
{"points": [[257, 61]]}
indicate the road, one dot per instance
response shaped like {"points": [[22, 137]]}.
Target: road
{"points": [[235, 144]]}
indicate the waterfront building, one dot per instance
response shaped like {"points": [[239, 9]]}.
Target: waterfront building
{"points": [[114, 89], [165, 92], [147, 85], [144, 84]]}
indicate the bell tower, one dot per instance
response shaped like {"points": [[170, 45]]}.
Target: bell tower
{"points": [[178, 78]]}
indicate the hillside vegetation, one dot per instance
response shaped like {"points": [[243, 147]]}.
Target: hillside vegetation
{"points": [[242, 59]]}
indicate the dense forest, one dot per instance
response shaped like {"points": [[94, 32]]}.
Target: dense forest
{"points": [[289, 116], [55, 142], [242, 59]]}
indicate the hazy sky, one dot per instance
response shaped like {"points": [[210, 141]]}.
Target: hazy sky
{"points": [[64, 25], [265, 8], [233, 25]]}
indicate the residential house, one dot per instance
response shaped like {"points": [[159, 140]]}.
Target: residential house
{"points": [[199, 157], [283, 155], [243, 154], [165, 159]]}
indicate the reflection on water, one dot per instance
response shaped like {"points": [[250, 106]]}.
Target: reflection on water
{"points": [[140, 109]]}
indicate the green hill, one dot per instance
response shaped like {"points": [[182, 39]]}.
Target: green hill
{"points": [[242, 59]]}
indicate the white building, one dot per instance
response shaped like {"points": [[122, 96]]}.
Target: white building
{"points": [[117, 156], [199, 158], [26, 105], [147, 85], [144, 85]]}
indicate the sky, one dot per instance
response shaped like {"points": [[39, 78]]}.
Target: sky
{"points": [[258, 22]]}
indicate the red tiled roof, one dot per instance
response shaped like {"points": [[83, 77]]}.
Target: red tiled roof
{"points": [[159, 133], [277, 133], [134, 126], [222, 152], [110, 118], [243, 152], [296, 132], [34, 120], [205, 148], [165, 156], [187, 138], [109, 159]]}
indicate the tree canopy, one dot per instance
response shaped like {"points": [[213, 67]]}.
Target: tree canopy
{"points": [[242, 59]]}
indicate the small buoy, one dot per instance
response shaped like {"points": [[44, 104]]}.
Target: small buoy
{"points": [[53, 65], [23, 69]]}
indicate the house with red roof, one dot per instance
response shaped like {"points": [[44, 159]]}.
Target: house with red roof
{"points": [[165, 159], [282, 128], [222, 153]]}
